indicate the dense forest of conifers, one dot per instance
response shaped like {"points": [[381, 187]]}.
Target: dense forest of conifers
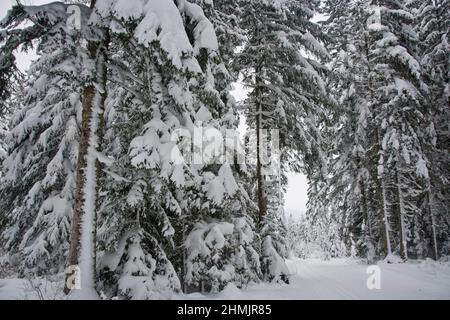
{"points": [[360, 103]]}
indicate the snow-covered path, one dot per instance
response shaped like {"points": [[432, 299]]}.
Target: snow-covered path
{"points": [[310, 279], [346, 279]]}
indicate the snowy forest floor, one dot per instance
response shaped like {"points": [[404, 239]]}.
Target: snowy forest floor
{"points": [[310, 279], [346, 279]]}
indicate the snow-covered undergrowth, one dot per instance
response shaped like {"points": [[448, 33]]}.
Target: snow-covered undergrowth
{"points": [[310, 279], [39, 288]]}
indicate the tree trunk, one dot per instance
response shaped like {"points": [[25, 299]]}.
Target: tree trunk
{"points": [[401, 217], [385, 211], [261, 194], [387, 238], [432, 220], [262, 201], [82, 242], [367, 217]]}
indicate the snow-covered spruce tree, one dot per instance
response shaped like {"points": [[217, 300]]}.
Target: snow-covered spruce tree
{"points": [[351, 184], [39, 169], [7, 104], [433, 27], [280, 62], [161, 220], [10, 84], [224, 15], [3, 132], [388, 129], [315, 238], [398, 113], [297, 237], [326, 235]]}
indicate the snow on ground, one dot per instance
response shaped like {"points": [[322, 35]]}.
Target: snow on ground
{"points": [[310, 279], [346, 279]]}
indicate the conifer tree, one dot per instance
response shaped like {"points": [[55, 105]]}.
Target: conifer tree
{"points": [[39, 169], [432, 28], [287, 93], [384, 133], [165, 196]]}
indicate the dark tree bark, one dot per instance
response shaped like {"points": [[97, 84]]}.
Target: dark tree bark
{"points": [[97, 53]]}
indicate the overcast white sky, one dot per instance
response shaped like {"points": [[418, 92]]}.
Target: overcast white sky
{"points": [[296, 196]]}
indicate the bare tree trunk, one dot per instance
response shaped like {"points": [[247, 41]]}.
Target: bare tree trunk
{"points": [[381, 187], [261, 194], [367, 217], [92, 124], [401, 216], [432, 220], [387, 238], [262, 201], [385, 210]]}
